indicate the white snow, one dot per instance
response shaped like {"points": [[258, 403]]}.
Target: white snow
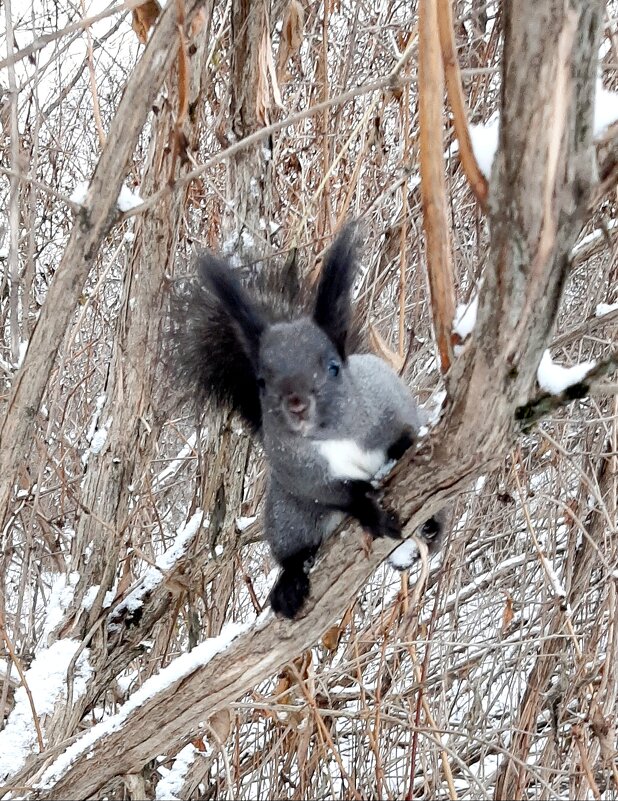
{"points": [[244, 522], [127, 199], [485, 143], [99, 403], [90, 596], [21, 355], [404, 556], [465, 317], [100, 438], [46, 679], [605, 308], [554, 378], [597, 234], [60, 597], [605, 108], [171, 784], [78, 195], [155, 575], [181, 667]]}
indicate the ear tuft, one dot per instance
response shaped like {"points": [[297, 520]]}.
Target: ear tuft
{"points": [[333, 309]]}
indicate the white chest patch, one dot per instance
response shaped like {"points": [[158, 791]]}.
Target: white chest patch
{"points": [[347, 460]]}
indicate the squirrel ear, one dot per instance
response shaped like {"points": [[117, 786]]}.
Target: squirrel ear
{"points": [[221, 282], [333, 309]]}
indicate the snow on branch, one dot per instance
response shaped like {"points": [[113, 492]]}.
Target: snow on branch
{"points": [[156, 574], [47, 681], [181, 667], [555, 379]]}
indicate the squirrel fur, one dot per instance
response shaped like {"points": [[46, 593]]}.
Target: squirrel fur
{"points": [[328, 419]]}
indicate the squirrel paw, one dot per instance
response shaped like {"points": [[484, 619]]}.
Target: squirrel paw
{"points": [[365, 508], [388, 525], [289, 593]]}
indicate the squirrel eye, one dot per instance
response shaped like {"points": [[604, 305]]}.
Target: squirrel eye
{"points": [[261, 383], [334, 367]]}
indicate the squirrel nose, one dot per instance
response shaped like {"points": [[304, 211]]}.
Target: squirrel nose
{"points": [[296, 404]]}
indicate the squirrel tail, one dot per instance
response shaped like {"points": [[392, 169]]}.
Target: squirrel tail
{"points": [[214, 333]]}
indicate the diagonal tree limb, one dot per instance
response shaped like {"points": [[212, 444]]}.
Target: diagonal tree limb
{"points": [[544, 403]]}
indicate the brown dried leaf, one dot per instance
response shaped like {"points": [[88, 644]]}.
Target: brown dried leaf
{"points": [[221, 725], [378, 344], [333, 636], [507, 614], [144, 17], [291, 38]]}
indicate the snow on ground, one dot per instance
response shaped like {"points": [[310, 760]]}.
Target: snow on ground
{"points": [[46, 678], [554, 378], [60, 597], [181, 667]]}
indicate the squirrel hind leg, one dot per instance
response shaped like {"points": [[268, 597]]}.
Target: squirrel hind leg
{"points": [[292, 587]]}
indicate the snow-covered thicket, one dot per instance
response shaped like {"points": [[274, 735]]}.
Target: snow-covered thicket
{"points": [[130, 547]]}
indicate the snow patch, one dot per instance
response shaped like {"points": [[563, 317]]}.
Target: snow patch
{"points": [[605, 108], [171, 784], [554, 378], [244, 522], [403, 557], [78, 195], [484, 140], [605, 308], [100, 438], [178, 669], [465, 317], [46, 680], [60, 597], [127, 199], [175, 465]]}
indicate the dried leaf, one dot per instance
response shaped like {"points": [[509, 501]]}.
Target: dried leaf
{"points": [[333, 636], [291, 38], [378, 344], [507, 614], [144, 17], [221, 725]]}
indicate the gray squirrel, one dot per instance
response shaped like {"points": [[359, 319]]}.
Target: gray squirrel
{"points": [[327, 419]]}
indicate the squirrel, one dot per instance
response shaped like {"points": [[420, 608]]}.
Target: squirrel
{"points": [[328, 419]]}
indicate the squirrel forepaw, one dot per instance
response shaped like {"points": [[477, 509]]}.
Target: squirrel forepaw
{"points": [[289, 593]]}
